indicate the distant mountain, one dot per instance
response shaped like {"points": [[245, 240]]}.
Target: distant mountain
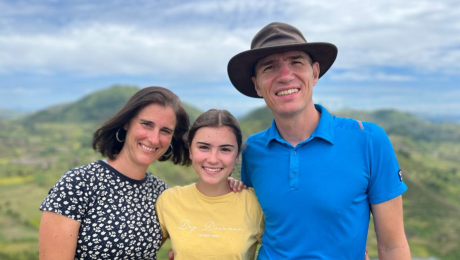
{"points": [[95, 107], [441, 118], [393, 121], [192, 112], [11, 114], [256, 121], [405, 124]]}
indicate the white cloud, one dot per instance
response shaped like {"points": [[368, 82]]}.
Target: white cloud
{"points": [[181, 43], [358, 75], [199, 43], [414, 34]]}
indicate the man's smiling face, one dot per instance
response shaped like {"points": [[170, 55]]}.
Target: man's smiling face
{"points": [[285, 81]]}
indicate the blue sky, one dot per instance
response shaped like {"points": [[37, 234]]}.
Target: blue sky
{"points": [[392, 54]]}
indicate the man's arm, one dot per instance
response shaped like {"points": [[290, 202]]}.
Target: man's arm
{"points": [[389, 228]]}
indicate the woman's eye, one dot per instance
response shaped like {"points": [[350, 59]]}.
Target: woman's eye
{"points": [[226, 150], [167, 131], [202, 147]]}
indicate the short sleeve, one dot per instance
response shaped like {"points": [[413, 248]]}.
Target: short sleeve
{"points": [[261, 230], [69, 196], [244, 164], [256, 213], [386, 180], [159, 206]]}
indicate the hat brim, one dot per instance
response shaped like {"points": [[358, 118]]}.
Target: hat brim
{"points": [[240, 67]]}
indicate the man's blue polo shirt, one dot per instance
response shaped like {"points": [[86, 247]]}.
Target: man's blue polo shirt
{"points": [[316, 196]]}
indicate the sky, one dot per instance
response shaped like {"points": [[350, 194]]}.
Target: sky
{"points": [[394, 54]]}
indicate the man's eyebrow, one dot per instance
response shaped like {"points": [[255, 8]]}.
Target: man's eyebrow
{"points": [[265, 63], [296, 57]]}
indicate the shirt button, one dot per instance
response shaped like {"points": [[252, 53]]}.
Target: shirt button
{"points": [[292, 175], [294, 153]]}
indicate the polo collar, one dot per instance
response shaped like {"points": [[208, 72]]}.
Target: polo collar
{"points": [[324, 129]]}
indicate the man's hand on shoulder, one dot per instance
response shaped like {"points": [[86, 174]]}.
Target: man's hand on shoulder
{"points": [[236, 185]]}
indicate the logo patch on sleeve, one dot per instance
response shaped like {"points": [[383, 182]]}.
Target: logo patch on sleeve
{"points": [[400, 175]]}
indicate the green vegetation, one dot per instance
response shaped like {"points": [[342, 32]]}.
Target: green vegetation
{"points": [[11, 114], [36, 150]]}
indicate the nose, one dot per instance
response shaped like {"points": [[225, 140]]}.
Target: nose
{"points": [[154, 137], [285, 74], [213, 157]]}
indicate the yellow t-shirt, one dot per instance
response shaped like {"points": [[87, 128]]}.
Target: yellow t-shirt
{"points": [[201, 227]]}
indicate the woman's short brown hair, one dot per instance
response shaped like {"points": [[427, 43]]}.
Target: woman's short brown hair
{"points": [[105, 141], [215, 118]]}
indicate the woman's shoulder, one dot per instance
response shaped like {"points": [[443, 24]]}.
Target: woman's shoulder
{"points": [[157, 182], [86, 172], [88, 169]]}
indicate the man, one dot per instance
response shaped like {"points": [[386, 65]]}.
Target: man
{"points": [[317, 176]]}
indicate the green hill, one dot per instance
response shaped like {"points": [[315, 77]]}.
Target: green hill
{"points": [[95, 107], [405, 124], [11, 114], [36, 151]]}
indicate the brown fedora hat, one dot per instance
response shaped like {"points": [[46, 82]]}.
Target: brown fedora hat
{"points": [[276, 38]]}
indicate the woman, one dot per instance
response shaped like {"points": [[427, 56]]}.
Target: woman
{"points": [[105, 209], [206, 220]]}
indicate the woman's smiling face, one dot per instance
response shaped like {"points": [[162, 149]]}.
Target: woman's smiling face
{"points": [[149, 134]]}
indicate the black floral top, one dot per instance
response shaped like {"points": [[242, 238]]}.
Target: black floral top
{"points": [[117, 214]]}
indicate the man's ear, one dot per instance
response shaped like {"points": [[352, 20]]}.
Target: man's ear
{"points": [[316, 71], [259, 93]]}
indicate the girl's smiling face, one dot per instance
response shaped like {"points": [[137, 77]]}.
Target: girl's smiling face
{"points": [[214, 152]]}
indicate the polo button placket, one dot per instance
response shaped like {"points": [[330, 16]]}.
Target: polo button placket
{"points": [[293, 169]]}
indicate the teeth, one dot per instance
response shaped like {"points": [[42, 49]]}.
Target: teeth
{"points": [[287, 92], [148, 148], [212, 169]]}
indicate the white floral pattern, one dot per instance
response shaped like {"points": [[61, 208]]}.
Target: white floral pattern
{"points": [[117, 214]]}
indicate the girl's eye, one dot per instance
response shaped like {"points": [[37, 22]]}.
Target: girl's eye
{"points": [[226, 150], [202, 147]]}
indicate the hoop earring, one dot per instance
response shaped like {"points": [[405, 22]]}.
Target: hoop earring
{"points": [[168, 152], [118, 138]]}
